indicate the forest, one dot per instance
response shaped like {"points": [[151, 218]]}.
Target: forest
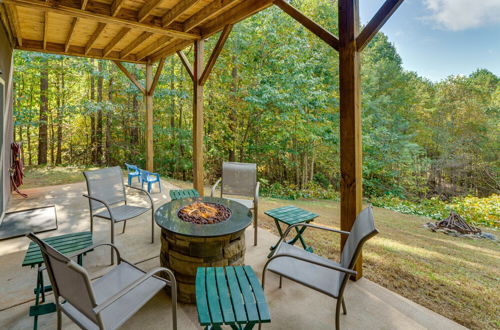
{"points": [[272, 99]]}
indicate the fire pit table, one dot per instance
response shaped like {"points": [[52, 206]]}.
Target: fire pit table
{"points": [[201, 232]]}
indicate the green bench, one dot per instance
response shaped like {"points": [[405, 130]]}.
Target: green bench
{"points": [[230, 296], [66, 244], [183, 193]]}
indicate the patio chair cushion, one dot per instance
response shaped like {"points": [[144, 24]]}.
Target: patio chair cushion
{"points": [[113, 282], [247, 202], [123, 212], [314, 276]]}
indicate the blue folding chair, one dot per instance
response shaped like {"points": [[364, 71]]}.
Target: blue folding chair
{"points": [[133, 171], [149, 178]]}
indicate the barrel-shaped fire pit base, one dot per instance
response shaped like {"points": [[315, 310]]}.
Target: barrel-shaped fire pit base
{"points": [[184, 254]]}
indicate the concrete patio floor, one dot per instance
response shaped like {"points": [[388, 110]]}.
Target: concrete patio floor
{"points": [[369, 305]]}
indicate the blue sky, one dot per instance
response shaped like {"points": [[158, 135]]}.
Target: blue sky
{"points": [[438, 38]]}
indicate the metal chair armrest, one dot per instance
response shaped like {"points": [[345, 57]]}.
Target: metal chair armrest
{"points": [[134, 284], [212, 193], [145, 192], [338, 268], [256, 194], [106, 205], [87, 249]]}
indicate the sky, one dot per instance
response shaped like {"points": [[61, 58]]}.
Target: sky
{"points": [[439, 38]]}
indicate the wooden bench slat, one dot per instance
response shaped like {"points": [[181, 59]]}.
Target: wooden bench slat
{"points": [[224, 297], [213, 297], [201, 298], [246, 290], [258, 292], [236, 297]]}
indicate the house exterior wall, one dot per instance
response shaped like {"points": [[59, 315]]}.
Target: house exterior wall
{"points": [[6, 70]]}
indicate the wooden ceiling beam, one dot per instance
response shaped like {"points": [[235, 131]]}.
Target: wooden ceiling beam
{"points": [[16, 26], [170, 49], [309, 24], [116, 39], [45, 29], [116, 5], [177, 11], [134, 44], [234, 15], [376, 23], [70, 34], [155, 46], [215, 54], [97, 33], [99, 14], [84, 4], [185, 62], [147, 9], [156, 78], [130, 76], [207, 13], [59, 48]]}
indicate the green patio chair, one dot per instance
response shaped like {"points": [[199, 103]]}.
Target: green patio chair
{"points": [[318, 273], [108, 301]]}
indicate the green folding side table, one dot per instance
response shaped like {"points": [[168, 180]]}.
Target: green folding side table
{"points": [[291, 215], [183, 193], [66, 244], [230, 296]]}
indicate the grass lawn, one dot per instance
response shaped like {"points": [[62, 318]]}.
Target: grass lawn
{"points": [[455, 277]]}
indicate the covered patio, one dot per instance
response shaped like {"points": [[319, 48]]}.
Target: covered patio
{"points": [[292, 307]]}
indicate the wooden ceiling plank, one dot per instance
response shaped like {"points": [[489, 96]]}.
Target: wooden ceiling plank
{"points": [[45, 29], [234, 15], [116, 39], [207, 13], [308, 23], [177, 11], [155, 46], [94, 37], [130, 76], [56, 48], [156, 78], [70, 34], [134, 44], [115, 7], [215, 54], [62, 7], [147, 9], [377, 21], [185, 62], [13, 15], [84, 4]]}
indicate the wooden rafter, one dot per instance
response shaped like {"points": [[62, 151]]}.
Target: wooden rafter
{"points": [[207, 13], [130, 76], [45, 29], [186, 63], [16, 28], [97, 33], [377, 21], [70, 34], [134, 44], [155, 46], [84, 4], [116, 39], [147, 9], [64, 7], [234, 15], [309, 24], [215, 53], [177, 11], [116, 6], [156, 78]]}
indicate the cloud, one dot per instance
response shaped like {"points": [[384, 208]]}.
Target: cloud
{"points": [[459, 15]]}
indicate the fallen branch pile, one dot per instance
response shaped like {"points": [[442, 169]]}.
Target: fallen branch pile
{"points": [[457, 223]]}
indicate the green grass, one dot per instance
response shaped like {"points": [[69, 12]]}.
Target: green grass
{"points": [[50, 176], [455, 277]]}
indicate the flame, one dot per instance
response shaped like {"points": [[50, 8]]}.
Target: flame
{"points": [[201, 209]]}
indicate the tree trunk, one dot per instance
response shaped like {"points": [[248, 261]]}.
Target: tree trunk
{"points": [[135, 122], [92, 119], [44, 108], [232, 111], [100, 81], [59, 116], [108, 123]]}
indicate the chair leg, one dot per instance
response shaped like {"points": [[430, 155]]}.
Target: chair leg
{"points": [[281, 282], [159, 185], [129, 180], [337, 314], [112, 240], [152, 226], [59, 318], [255, 225], [344, 309], [91, 222], [124, 225]]}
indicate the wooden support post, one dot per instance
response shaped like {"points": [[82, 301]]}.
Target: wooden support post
{"points": [[350, 119], [149, 118], [198, 117]]}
